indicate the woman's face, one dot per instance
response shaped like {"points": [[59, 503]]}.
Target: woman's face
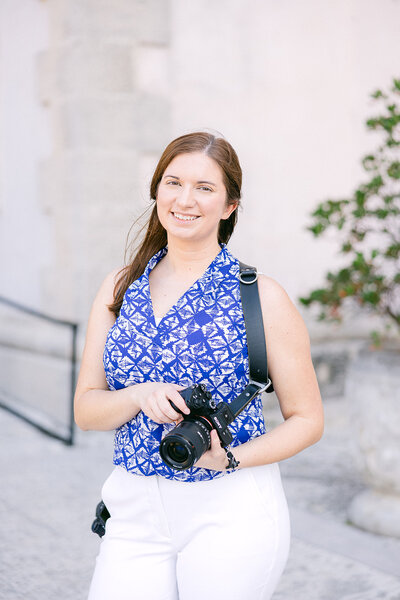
{"points": [[191, 198]]}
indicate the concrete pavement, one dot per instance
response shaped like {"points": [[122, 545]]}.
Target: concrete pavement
{"points": [[49, 492]]}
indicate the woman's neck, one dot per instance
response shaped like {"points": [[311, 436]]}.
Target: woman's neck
{"points": [[188, 260]]}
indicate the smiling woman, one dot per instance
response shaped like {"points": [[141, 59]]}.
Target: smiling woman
{"points": [[212, 153], [171, 319], [187, 205]]}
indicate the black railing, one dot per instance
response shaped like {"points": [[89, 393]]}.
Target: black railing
{"points": [[68, 436]]}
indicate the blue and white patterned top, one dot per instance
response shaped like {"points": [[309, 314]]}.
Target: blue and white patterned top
{"points": [[202, 339]]}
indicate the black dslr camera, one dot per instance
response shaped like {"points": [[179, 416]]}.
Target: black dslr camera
{"points": [[187, 442]]}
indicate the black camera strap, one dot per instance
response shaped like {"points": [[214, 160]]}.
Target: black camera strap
{"points": [[253, 319], [258, 366]]}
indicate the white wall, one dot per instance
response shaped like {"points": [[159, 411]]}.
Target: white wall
{"points": [[288, 84], [25, 233]]}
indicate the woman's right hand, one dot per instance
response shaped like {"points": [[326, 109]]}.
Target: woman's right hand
{"points": [[155, 401], [97, 407]]}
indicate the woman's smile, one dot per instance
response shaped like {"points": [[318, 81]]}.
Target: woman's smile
{"points": [[184, 218]]}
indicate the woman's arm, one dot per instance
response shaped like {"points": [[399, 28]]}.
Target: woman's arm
{"points": [[95, 406], [291, 370]]}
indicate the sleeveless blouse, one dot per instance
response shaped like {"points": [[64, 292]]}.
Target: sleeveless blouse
{"points": [[202, 339]]}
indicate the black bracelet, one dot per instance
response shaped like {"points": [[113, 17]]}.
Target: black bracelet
{"points": [[233, 463]]}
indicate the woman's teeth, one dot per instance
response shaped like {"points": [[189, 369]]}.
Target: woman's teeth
{"points": [[184, 217]]}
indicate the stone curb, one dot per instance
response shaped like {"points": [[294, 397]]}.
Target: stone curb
{"points": [[374, 551]]}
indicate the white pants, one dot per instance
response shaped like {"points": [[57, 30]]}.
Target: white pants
{"points": [[225, 539]]}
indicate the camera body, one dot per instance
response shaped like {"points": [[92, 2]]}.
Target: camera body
{"points": [[187, 442], [99, 524]]}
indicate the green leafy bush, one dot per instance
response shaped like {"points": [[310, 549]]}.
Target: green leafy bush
{"points": [[368, 223]]}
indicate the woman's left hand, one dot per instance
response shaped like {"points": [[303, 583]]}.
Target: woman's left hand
{"points": [[215, 458]]}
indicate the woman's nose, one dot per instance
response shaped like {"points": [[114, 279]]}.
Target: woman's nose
{"points": [[186, 196]]}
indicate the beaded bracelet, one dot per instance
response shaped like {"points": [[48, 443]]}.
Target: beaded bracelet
{"points": [[232, 462]]}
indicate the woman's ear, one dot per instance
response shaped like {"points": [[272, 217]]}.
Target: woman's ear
{"points": [[229, 210]]}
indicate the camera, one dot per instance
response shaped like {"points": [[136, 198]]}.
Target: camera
{"points": [[187, 442], [99, 524]]}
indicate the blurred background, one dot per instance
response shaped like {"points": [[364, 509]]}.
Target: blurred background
{"points": [[91, 91]]}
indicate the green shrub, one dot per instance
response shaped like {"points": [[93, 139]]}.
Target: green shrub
{"points": [[368, 225]]}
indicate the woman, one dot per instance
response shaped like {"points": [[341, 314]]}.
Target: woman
{"points": [[170, 319]]}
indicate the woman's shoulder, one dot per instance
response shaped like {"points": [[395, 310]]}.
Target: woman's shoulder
{"points": [[105, 295], [276, 304], [271, 292]]}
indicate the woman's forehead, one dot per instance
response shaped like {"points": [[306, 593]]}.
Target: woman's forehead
{"points": [[194, 165]]}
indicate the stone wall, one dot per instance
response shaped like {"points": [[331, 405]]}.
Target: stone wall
{"points": [[108, 117]]}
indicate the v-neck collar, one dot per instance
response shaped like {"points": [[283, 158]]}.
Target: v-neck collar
{"points": [[209, 280]]}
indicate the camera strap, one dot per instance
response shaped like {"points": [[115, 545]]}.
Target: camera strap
{"points": [[258, 367]]}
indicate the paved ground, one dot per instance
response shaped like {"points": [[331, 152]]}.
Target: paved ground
{"points": [[49, 491]]}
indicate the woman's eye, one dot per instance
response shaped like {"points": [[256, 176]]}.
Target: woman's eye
{"points": [[205, 188], [172, 182]]}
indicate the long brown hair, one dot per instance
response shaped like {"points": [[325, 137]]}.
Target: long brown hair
{"points": [[155, 237]]}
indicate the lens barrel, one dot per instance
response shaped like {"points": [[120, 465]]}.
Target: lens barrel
{"points": [[186, 443]]}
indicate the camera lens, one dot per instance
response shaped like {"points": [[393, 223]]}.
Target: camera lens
{"points": [[178, 452], [186, 443]]}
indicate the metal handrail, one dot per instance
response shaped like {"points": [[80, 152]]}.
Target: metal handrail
{"points": [[69, 439]]}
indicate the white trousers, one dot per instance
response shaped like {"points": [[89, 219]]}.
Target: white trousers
{"points": [[225, 539]]}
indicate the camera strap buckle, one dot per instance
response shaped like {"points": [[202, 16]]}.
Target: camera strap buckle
{"points": [[253, 389], [263, 387]]}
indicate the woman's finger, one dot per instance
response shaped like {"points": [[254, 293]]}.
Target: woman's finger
{"points": [[167, 410], [151, 415], [215, 443], [177, 399], [158, 416]]}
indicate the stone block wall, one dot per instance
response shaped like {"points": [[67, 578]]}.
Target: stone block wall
{"points": [[108, 116]]}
